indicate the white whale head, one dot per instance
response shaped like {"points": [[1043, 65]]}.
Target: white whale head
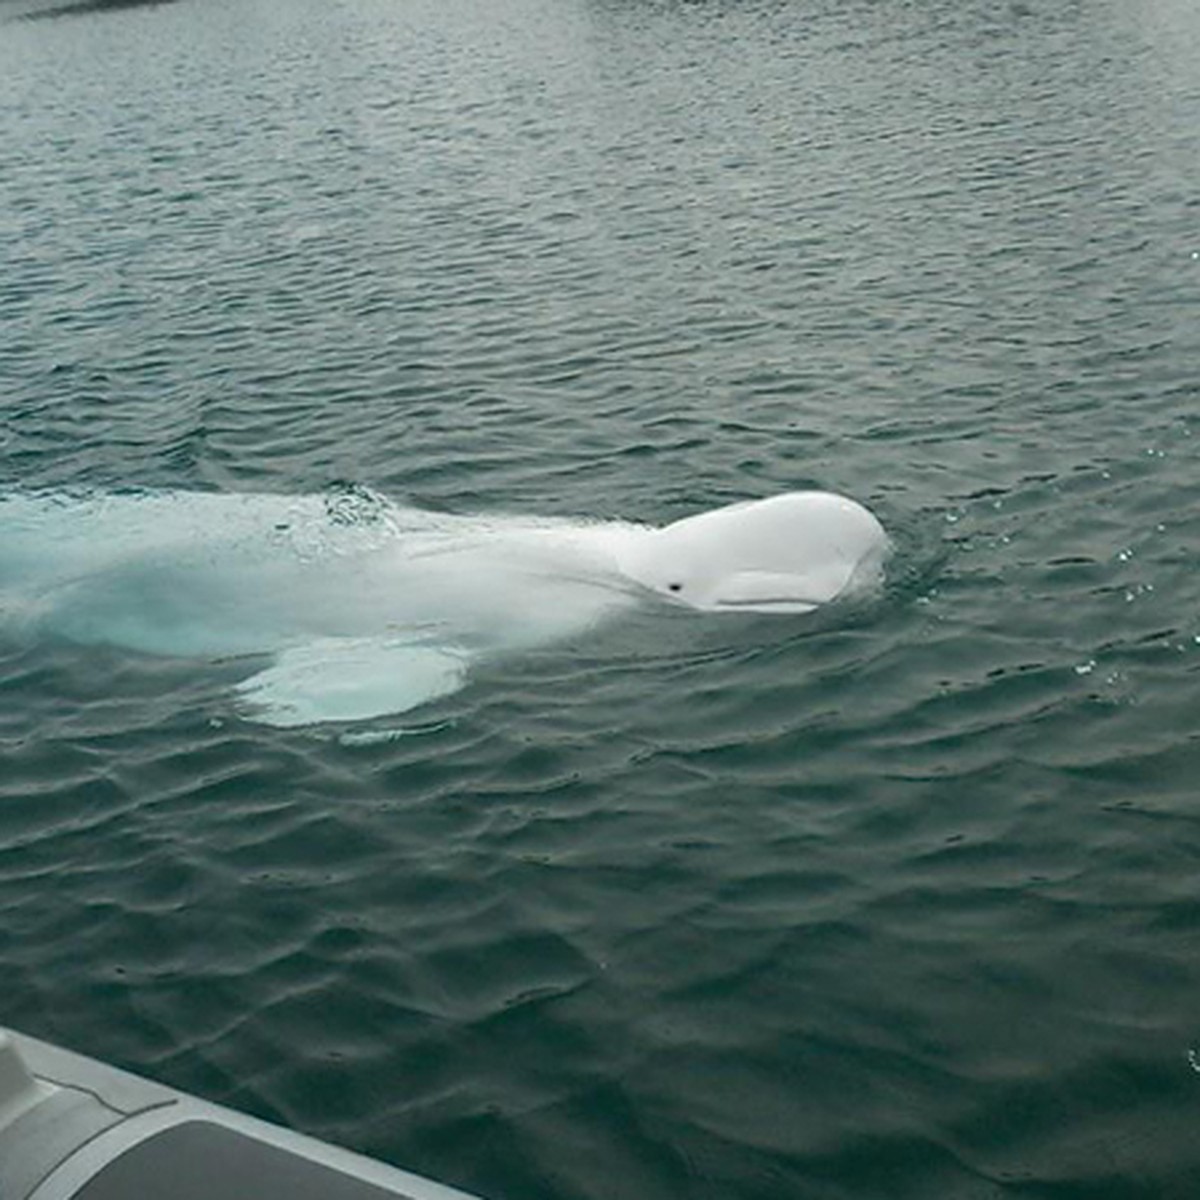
{"points": [[786, 554]]}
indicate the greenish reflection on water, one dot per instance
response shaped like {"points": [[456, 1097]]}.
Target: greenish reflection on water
{"points": [[897, 904]]}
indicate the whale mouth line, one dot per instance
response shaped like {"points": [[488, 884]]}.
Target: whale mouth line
{"points": [[799, 603]]}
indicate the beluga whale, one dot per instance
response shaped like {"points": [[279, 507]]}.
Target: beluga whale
{"points": [[348, 605]]}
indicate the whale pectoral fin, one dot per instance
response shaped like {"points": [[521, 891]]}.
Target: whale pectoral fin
{"points": [[350, 679]]}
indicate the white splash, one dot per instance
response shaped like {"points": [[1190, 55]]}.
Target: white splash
{"points": [[368, 607]]}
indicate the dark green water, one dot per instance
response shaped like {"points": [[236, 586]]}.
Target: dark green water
{"points": [[897, 903]]}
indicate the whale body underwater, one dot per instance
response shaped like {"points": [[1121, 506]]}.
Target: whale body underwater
{"points": [[367, 607]]}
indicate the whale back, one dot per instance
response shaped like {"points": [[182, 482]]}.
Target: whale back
{"points": [[785, 554]]}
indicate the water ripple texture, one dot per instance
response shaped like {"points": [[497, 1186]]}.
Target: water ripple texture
{"points": [[893, 903]]}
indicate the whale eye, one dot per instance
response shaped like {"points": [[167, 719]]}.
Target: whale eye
{"points": [[675, 587]]}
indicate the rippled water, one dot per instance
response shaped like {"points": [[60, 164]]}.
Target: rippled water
{"points": [[900, 902]]}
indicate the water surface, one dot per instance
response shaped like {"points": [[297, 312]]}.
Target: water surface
{"points": [[896, 903]]}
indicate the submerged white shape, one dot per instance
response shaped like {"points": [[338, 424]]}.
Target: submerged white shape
{"points": [[350, 679], [368, 607]]}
